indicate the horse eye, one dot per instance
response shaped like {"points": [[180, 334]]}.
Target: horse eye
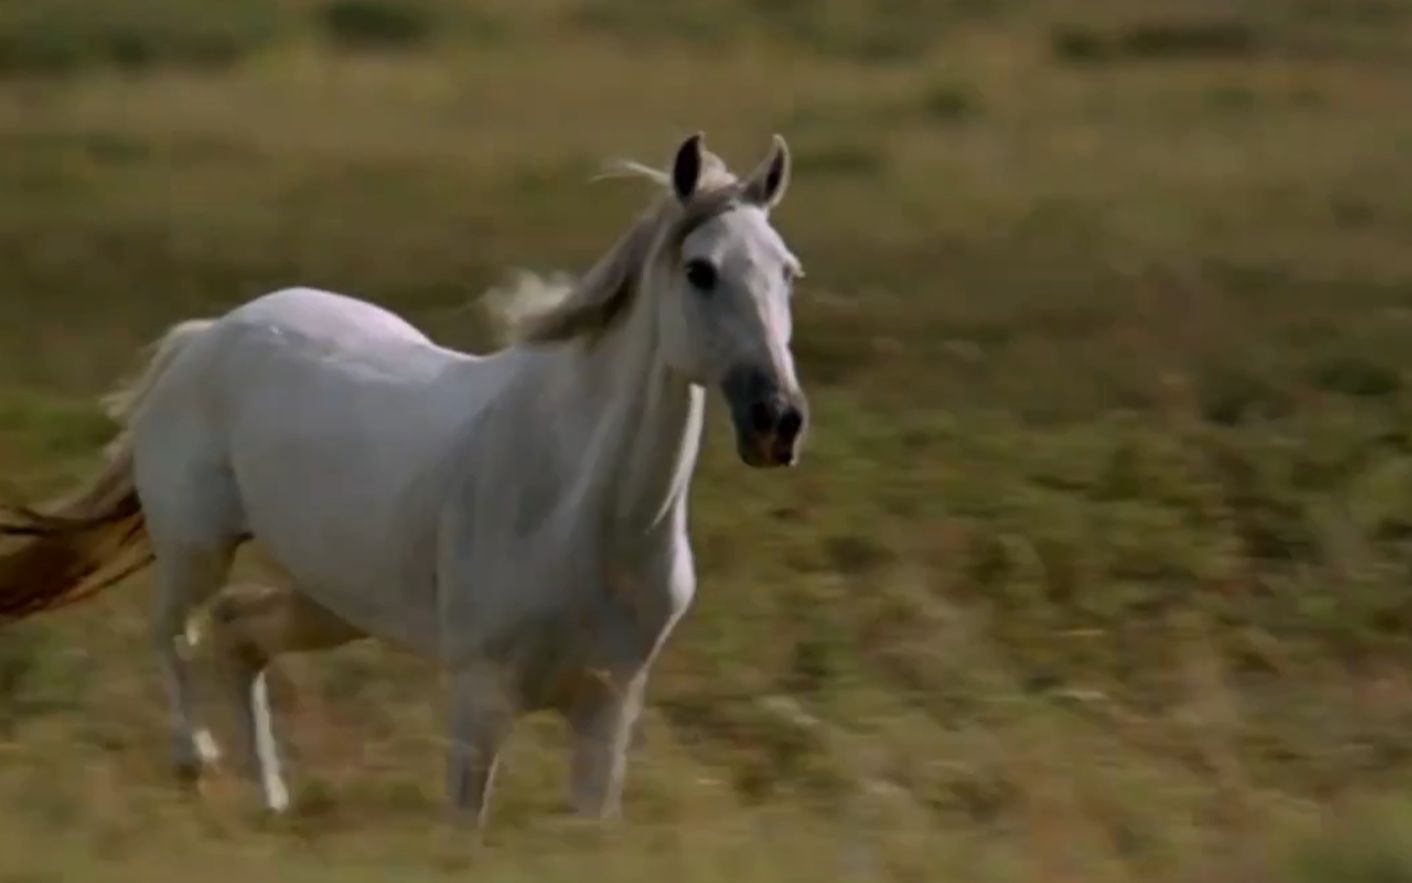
{"points": [[701, 275]]}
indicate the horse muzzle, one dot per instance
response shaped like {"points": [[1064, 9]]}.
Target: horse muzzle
{"points": [[770, 421]]}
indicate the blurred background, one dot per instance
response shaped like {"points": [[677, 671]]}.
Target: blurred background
{"points": [[1098, 568]]}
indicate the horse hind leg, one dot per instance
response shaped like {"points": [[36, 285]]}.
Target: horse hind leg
{"points": [[186, 577], [195, 524], [250, 625]]}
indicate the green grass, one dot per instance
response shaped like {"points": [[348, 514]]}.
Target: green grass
{"points": [[66, 36], [1096, 569]]}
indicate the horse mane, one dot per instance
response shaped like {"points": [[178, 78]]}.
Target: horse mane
{"points": [[536, 310]]}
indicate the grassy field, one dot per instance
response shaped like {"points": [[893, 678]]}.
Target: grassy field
{"points": [[1099, 567]]}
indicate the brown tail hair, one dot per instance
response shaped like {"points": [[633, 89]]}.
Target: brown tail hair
{"points": [[81, 545]]}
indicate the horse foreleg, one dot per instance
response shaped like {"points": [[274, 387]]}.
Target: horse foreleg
{"points": [[603, 719], [482, 714]]}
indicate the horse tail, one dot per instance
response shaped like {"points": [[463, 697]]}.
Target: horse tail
{"points": [[76, 547]]}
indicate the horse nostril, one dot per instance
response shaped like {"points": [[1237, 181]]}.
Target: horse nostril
{"points": [[791, 421], [762, 417]]}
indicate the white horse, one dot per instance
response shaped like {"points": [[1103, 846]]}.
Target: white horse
{"points": [[520, 517]]}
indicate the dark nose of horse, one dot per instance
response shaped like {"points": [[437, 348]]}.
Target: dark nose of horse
{"points": [[762, 417], [770, 418], [787, 429], [777, 424]]}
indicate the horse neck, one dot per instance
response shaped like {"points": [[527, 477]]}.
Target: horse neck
{"points": [[648, 422]]}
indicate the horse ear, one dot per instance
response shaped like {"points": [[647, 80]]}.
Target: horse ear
{"points": [[767, 184], [686, 168]]}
